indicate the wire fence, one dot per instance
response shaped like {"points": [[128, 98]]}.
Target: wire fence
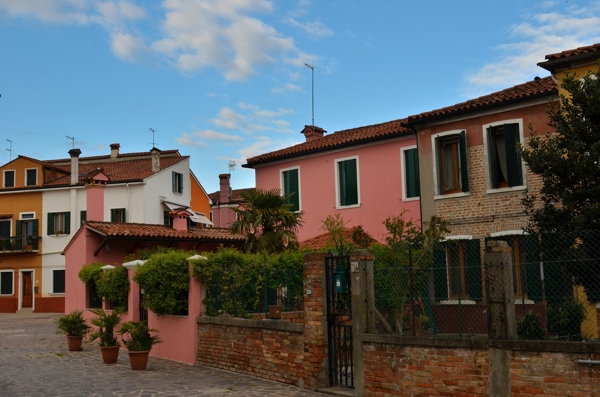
{"points": [[440, 292]]}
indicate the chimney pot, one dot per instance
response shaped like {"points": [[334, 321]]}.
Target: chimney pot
{"points": [[114, 150], [312, 132], [224, 188], [155, 159], [74, 153]]}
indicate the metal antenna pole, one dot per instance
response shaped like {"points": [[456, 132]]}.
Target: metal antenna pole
{"points": [[312, 69], [72, 138], [10, 150], [153, 143]]}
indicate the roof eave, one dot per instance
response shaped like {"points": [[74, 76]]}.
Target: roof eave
{"points": [[566, 63]]}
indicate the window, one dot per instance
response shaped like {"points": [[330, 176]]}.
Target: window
{"points": [[94, 301], [526, 264], [27, 233], [5, 234], [451, 163], [410, 181], [457, 271], [59, 223], [58, 281], [347, 182], [291, 186], [9, 178], [6, 282], [82, 217], [177, 182], [117, 215], [504, 162], [31, 177]]}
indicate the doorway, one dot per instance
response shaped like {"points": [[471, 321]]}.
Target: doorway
{"points": [[27, 290]]}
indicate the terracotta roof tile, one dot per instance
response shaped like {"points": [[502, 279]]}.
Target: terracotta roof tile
{"points": [[324, 240], [119, 157], [574, 52], [565, 59], [235, 195], [539, 87], [350, 137], [147, 231]]}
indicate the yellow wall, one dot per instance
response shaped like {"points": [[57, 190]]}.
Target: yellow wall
{"points": [[19, 165], [200, 201]]}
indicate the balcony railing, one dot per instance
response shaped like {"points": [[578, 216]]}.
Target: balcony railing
{"points": [[20, 244]]}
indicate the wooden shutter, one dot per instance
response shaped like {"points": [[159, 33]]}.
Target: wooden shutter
{"points": [[83, 216], [473, 269], [50, 227], [19, 235], [113, 215], [412, 173], [492, 158], [438, 162], [34, 241], [124, 219], [440, 273], [464, 172], [174, 181], [67, 225], [290, 186], [348, 182], [530, 264], [180, 179], [513, 159]]}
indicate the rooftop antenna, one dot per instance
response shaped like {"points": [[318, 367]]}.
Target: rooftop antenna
{"points": [[231, 166], [10, 150], [153, 143], [72, 138], [312, 69]]}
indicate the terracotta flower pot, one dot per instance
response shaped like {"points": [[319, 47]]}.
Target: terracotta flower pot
{"points": [[74, 343], [138, 360], [110, 354]]}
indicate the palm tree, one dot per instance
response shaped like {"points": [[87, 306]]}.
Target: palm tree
{"points": [[266, 220]]}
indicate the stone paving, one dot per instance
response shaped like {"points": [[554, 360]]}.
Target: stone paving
{"points": [[34, 361]]}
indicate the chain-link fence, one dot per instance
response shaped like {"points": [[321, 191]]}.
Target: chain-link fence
{"points": [[441, 291]]}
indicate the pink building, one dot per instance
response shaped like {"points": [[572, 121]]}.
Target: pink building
{"points": [[366, 174], [224, 201]]}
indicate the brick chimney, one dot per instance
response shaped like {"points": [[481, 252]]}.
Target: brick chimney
{"points": [[313, 132], [155, 159], [95, 183], [180, 217], [74, 153], [224, 188], [114, 150]]}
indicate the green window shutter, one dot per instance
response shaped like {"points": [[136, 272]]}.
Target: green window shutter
{"points": [[464, 172], [83, 216], [174, 180], [50, 228], [180, 177], [113, 215], [290, 187], [124, 215], [67, 226], [440, 273], [35, 242], [530, 265], [19, 235], [440, 176], [492, 158], [348, 182], [473, 269], [513, 159], [411, 174]]}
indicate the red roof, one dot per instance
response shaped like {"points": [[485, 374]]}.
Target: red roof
{"points": [[539, 87], [235, 196], [148, 231], [324, 240], [351, 137], [120, 156], [564, 58]]}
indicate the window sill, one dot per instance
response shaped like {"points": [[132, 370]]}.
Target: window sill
{"points": [[506, 189], [339, 207], [519, 301], [56, 293], [58, 235], [404, 199], [451, 196], [7, 294], [455, 302]]}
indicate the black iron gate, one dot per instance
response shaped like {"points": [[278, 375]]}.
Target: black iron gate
{"points": [[339, 321], [143, 310]]}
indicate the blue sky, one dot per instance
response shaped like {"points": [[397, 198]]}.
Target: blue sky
{"points": [[225, 80]]}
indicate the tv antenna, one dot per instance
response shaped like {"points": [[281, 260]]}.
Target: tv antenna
{"points": [[10, 150], [231, 166], [72, 138], [153, 143], [312, 69]]}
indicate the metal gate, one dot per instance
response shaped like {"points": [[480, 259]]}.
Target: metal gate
{"points": [[143, 310], [339, 321]]}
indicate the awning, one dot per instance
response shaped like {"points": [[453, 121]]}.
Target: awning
{"points": [[196, 217], [172, 206]]}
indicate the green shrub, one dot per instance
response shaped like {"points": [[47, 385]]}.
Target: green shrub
{"points": [[529, 327], [565, 319], [113, 286], [165, 281]]}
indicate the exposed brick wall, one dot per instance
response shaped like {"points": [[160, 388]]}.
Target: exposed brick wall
{"points": [[292, 317]]}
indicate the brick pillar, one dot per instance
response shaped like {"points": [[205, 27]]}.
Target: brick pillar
{"points": [[315, 368]]}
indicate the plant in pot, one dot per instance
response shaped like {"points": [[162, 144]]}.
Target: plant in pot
{"points": [[74, 326], [106, 324], [138, 340]]}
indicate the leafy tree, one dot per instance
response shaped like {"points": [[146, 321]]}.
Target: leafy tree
{"points": [[568, 161], [267, 221]]}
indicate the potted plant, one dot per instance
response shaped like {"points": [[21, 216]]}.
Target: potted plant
{"points": [[74, 326], [107, 324], [138, 340]]}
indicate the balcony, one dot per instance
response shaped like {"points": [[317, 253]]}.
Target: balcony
{"points": [[10, 246]]}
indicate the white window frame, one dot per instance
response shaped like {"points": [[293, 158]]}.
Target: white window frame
{"points": [[486, 157], [438, 195], [299, 192], [178, 187], [13, 282], [403, 173], [36, 177], [337, 183], [25, 216], [458, 237], [14, 178]]}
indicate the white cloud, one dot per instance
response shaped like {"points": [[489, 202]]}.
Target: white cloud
{"points": [[252, 119], [112, 14], [541, 34], [49, 11], [315, 29], [127, 47], [188, 140], [216, 136]]}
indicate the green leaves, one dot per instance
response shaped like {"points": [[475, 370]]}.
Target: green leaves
{"points": [[113, 286]]}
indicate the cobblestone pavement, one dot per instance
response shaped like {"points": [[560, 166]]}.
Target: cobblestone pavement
{"points": [[34, 361]]}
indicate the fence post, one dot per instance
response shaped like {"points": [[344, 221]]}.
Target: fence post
{"points": [[500, 302], [360, 261]]}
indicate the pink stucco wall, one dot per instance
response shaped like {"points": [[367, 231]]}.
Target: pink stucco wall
{"points": [[223, 215], [380, 179]]}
